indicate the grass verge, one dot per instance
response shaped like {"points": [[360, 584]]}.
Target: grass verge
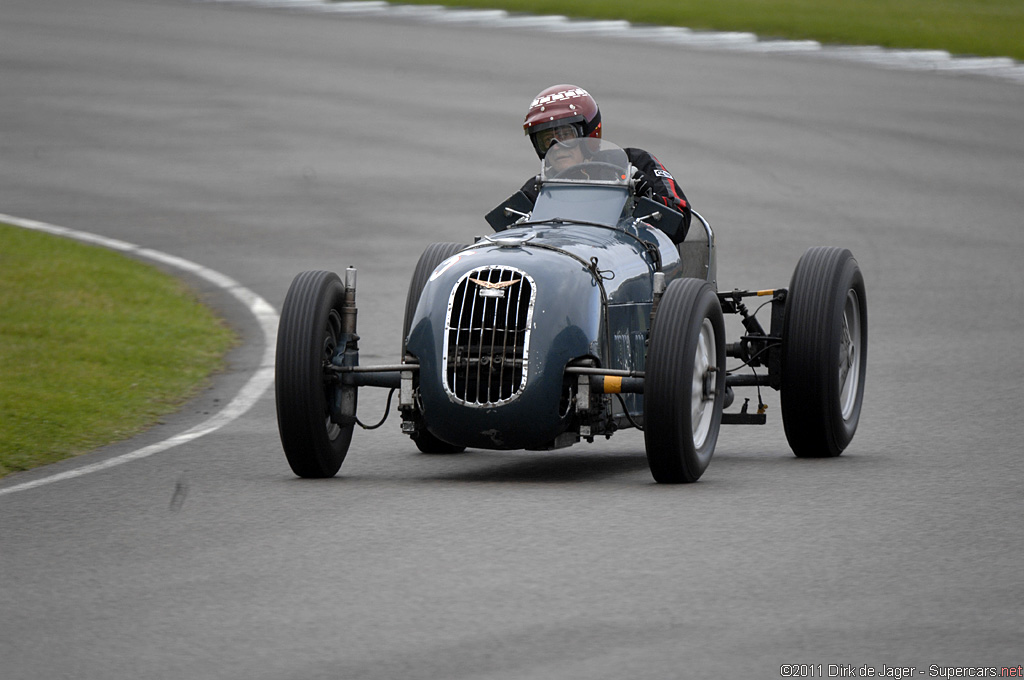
{"points": [[94, 347], [966, 27]]}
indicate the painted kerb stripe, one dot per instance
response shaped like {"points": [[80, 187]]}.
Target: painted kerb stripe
{"points": [[1003, 68], [250, 393]]}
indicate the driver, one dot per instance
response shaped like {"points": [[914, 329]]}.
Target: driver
{"points": [[564, 112]]}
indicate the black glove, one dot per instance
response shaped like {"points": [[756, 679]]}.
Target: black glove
{"points": [[641, 187]]}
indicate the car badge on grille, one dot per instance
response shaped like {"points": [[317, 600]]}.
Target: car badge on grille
{"points": [[495, 290]]}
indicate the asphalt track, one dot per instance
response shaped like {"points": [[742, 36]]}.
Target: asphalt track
{"points": [[260, 143]]}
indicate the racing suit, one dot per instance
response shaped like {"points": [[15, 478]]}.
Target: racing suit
{"points": [[657, 183]]}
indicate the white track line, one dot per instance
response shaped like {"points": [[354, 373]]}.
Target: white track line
{"points": [[908, 60], [253, 389]]}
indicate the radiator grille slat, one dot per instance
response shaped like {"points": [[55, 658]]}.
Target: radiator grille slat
{"points": [[487, 336]]}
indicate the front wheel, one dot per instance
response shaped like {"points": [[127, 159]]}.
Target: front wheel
{"points": [[824, 353], [684, 383], [309, 333]]}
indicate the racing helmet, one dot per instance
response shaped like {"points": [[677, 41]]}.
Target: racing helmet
{"points": [[568, 111]]}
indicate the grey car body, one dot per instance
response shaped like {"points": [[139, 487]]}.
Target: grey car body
{"points": [[580, 272]]}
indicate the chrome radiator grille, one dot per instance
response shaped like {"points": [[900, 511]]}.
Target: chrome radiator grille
{"points": [[487, 336]]}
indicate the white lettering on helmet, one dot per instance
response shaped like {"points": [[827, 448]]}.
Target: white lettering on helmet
{"points": [[559, 96]]}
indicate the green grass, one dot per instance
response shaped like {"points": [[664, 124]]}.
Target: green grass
{"points": [[967, 27], [94, 347]]}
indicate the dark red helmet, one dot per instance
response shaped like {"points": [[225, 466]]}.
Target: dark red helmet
{"points": [[559, 106]]}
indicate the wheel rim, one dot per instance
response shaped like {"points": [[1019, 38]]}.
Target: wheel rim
{"points": [[332, 331], [702, 396], [849, 355]]}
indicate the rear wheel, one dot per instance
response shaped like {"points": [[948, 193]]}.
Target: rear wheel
{"points": [[684, 383], [824, 353], [435, 254], [307, 337]]}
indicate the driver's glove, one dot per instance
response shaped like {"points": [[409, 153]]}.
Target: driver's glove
{"points": [[641, 187]]}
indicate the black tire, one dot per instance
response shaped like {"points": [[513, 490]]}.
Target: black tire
{"points": [[313, 442], [435, 254], [824, 353], [683, 396]]}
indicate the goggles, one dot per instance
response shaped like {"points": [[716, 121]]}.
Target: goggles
{"points": [[545, 138]]}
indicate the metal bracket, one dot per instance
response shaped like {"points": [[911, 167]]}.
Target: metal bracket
{"points": [[406, 398], [582, 393]]}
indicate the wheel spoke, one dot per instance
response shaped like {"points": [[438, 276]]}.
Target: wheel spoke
{"points": [[332, 334], [849, 357], [845, 350], [702, 400]]}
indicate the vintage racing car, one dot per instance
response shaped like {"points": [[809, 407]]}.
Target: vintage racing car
{"points": [[590, 311]]}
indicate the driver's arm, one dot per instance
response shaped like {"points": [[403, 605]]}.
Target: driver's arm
{"points": [[663, 185]]}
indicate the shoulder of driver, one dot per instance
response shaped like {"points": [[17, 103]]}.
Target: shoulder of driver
{"points": [[646, 163]]}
